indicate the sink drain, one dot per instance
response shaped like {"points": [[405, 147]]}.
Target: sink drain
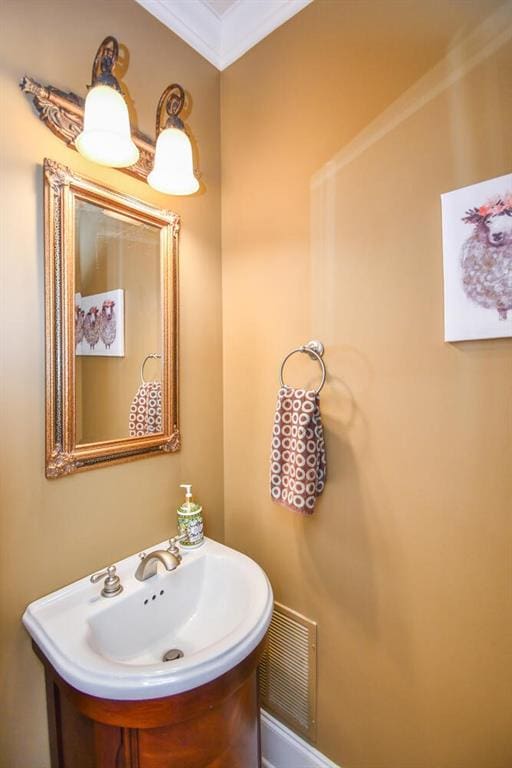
{"points": [[172, 655]]}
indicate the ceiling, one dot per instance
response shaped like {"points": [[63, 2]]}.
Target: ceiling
{"points": [[223, 30]]}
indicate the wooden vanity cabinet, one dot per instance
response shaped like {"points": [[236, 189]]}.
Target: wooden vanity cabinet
{"points": [[213, 726]]}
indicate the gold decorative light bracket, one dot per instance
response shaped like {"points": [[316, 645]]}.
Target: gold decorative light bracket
{"points": [[173, 99], [63, 114], [104, 62]]}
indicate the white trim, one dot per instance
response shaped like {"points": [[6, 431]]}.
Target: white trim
{"points": [[281, 748], [222, 39], [196, 23], [246, 23]]}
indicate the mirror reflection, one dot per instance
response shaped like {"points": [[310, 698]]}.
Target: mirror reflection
{"points": [[118, 333], [111, 269]]}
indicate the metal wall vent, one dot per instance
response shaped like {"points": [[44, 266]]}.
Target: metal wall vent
{"points": [[287, 672]]}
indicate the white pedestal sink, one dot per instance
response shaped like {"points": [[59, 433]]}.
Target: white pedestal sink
{"points": [[215, 607]]}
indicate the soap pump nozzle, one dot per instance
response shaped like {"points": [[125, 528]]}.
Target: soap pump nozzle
{"points": [[188, 492]]}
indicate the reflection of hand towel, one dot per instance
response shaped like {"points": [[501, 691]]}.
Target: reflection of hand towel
{"points": [[146, 410], [298, 464]]}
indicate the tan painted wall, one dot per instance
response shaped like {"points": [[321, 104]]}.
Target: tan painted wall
{"points": [[54, 532], [406, 564]]}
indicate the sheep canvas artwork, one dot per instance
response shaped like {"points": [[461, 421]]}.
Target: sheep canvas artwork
{"points": [[99, 324], [477, 249]]}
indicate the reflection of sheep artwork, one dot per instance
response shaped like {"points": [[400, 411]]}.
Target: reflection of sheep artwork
{"points": [[108, 323], [477, 257], [487, 255], [92, 327], [102, 330], [79, 324]]}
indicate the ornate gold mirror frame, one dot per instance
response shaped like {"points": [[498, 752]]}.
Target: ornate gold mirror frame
{"points": [[62, 189]]}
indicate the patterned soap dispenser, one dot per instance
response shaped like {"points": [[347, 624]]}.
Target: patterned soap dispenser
{"points": [[190, 521]]}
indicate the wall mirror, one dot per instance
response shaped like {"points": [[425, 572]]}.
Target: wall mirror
{"points": [[111, 325]]}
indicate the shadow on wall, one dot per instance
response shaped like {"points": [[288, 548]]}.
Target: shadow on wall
{"points": [[343, 566]]}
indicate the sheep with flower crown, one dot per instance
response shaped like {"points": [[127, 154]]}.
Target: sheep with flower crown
{"points": [[486, 257]]}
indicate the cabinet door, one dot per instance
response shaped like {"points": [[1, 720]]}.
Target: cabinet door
{"points": [[224, 736]]}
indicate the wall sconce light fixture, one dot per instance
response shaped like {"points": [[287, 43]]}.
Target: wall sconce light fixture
{"points": [[173, 170], [99, 127], [106, 136]]}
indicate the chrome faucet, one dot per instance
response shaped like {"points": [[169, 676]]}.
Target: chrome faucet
{"points": [[170, 559]]}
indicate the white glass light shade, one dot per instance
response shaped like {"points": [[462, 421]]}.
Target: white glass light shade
{"points": [[173, 170], [106, 138]]}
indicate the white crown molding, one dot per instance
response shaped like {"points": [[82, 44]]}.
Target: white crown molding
{"points": [[195, 22], [222, 39], [246, 23], [281, 748]]}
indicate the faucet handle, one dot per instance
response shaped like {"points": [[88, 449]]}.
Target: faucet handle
{"points": [[173, 545], [112, 585]]}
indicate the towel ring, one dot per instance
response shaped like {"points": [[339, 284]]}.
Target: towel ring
{"points": [[152, 356], [315, 349]]}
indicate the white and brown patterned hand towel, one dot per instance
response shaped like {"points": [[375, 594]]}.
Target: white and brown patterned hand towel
{"points": [[298, 463], [146, 410]]}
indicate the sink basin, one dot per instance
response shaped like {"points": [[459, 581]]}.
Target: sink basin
{"points": [[215, 608]]}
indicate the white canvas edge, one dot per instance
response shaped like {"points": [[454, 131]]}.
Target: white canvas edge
{"points": [[450, 334]]}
